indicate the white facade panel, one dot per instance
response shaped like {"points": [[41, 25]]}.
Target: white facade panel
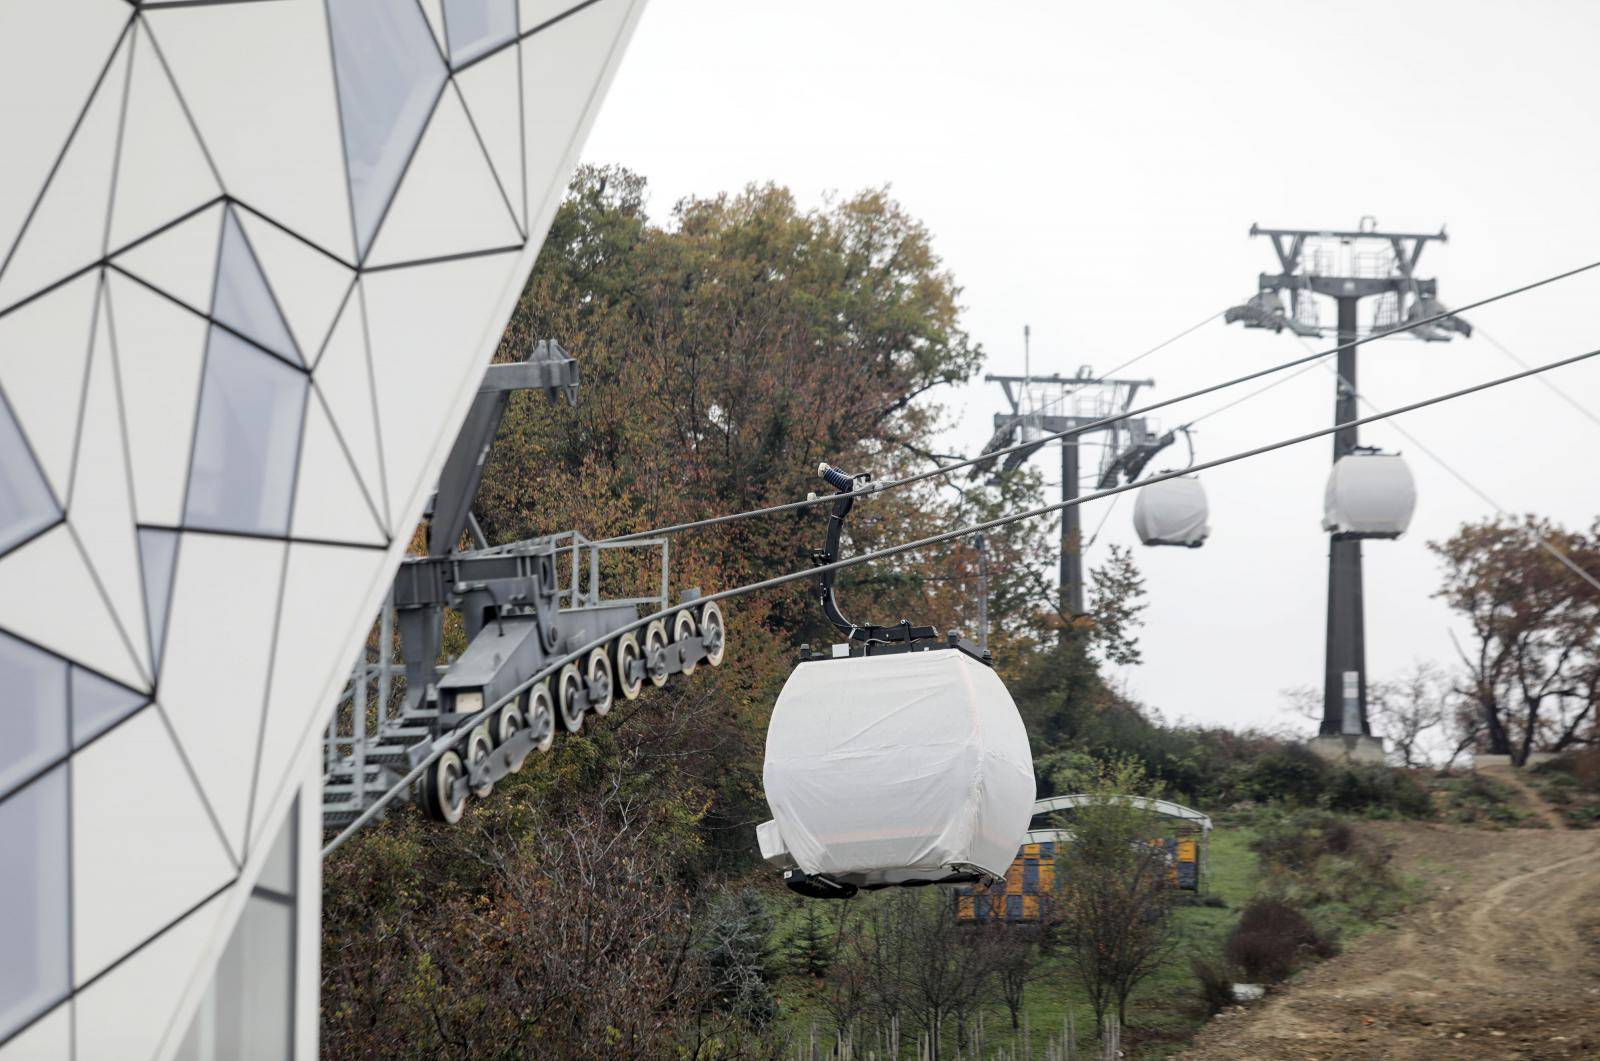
{"points": [[230, 258]]}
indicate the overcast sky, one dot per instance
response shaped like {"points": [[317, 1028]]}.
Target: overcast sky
{"points": [[1093, 170]]}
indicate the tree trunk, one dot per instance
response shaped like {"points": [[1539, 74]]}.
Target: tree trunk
{"points": [[1499, 739]]}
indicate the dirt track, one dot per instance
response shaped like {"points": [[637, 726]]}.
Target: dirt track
{"points": [[1501, 960]]}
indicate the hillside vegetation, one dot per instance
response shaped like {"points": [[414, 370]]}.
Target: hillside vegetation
{"points": [[609, 900]]}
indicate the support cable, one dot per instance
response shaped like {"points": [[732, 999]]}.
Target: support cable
{"points": [[441, 744], [1103, 520], [1557, 391], [894, 484], [1259, 390]]}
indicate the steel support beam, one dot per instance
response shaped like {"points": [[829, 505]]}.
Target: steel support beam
{"points": [[1071, 533], [1346, 632]]}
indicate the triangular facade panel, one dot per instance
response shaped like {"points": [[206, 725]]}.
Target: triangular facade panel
{"points": [[35, 919], [181, 259], [65, 47], [449, 202], [128, 1012], [433, 11], [309, 286], [34, 726], [162, 169], [243, 300], [258, 81], [161, 350], [158, 559], [49, 596], [343, 379], [416, 336], [246, 438], [311, 651], [44, 352], [474, 28], [98, 704], [558, 64], [220, 741], [67, 228], [492, 94], [100, 507], [138, 864], [390, 76], [331, 502]]}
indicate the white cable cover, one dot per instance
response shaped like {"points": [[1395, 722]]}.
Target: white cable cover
{"points": [[1172, 512], [894, 768], [1369, 494]]}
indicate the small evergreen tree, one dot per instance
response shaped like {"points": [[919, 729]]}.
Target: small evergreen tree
{"points": [[737, 955], [811, 947]]}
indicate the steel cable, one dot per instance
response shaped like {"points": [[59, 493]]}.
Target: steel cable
{"points": [[448, 740], [894, 484]]}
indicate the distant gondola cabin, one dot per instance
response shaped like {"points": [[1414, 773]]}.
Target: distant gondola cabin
{"points": [[1172, 512], [1369, 495]]}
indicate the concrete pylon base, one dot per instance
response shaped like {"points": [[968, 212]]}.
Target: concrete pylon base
{"points": [[1349, 748]]}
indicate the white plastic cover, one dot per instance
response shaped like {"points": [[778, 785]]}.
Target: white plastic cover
{"points": [[1172, 512], [1369, 494], [884, 769]]}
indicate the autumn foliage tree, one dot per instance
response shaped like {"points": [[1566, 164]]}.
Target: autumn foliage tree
{"points": [[1114, 908], [1533, 655], [725, 351]]}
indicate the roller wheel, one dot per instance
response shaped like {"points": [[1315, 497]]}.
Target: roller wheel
{"points": [[625, 652], [539, 715], [436, 785], [655, 653], [683, 627], [569, 686], [714, 632], [598, 680], [479, 745], [508, 722]]}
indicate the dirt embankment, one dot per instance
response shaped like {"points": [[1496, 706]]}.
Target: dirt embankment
{"points": [[1502, 960]]}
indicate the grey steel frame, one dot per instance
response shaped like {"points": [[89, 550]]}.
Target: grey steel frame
{"points": [[350, 737]]}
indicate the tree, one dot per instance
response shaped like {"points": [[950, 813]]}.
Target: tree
{"points": [[811, 946], [1113, 901], [727, 348], [1533, 657], [737, 956], [848, 988], [1411, 711], [1013, 954], [1417, 712], [915, 960], [1116, 595]]}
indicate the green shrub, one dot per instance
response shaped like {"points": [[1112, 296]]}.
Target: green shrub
{"points": [[1290, 773], [1475, 798], [1579, 768], [1376, 790], [1316, 861]]}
